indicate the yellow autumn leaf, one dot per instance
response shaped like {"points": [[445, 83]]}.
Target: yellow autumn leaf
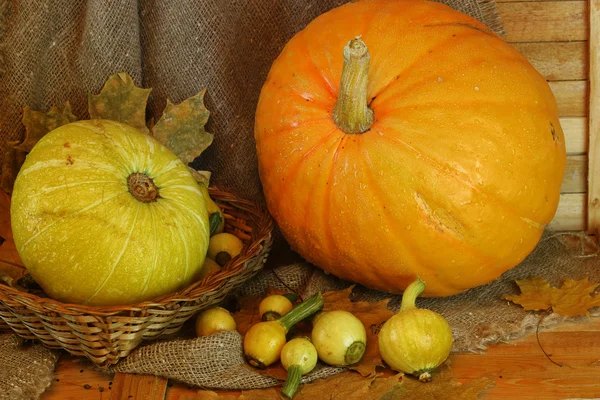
{"points": [[574, 297]]}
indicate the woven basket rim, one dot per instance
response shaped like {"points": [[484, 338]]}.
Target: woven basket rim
{"points": [[192, 292]]}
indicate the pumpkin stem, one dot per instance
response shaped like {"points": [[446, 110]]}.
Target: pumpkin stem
{"points": [[351, 113], [411, 293], [142, 187]]}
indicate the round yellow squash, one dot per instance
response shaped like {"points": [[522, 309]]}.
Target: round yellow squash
{"points": [[427, 147], [103, 214]]}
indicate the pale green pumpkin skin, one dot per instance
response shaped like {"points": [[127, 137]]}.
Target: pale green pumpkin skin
{"points": [[85, 238]]}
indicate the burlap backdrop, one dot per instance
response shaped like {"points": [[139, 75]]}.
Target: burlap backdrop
{"points": [[59, 50]]}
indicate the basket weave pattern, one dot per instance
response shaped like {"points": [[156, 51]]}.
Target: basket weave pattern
{"points": [[105, 335]]}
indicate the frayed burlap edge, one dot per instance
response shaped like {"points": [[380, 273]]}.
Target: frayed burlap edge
{"points": [[27, 368]]}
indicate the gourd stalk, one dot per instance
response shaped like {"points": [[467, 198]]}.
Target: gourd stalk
{"points": [[411, 293], [294, 376]]}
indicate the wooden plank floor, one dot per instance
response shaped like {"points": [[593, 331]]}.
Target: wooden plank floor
{"points": [[520, 370]]}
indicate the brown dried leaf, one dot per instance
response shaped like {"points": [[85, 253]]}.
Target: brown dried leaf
{"points": [[120, 100], [572, 298], [12, 161], [248, 314], [37, 124], [181, 128], [9, 254], [371, 315], [349, 386], [10, 275], [443, 385], [5, 230]]}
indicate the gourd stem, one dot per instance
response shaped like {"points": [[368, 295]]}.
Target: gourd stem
{"points": [[351, 112], [222, 258], [142, 187], [411, 293], [294, 376], [354, 353], [270, 316], [301, 311]]}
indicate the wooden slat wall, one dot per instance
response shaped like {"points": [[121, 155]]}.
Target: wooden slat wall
{"points": [[593, 201], [553, 36]]}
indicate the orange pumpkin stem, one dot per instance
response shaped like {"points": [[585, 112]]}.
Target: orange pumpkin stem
{"points": [[351, 112]]}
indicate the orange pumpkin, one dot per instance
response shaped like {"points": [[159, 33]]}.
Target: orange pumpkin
{"points": [[437, 153]]}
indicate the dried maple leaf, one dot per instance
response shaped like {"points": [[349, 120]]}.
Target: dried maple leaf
{"points": [[443, 385], [37, 124], [11, 163], [5, 231], [248, 314], [200, 176], [120, 100], [572, 298], [349, 386], [181, 128], [371, 315]]}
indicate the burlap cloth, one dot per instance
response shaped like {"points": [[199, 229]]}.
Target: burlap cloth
{"points": [[59, 50], [25, 368]]}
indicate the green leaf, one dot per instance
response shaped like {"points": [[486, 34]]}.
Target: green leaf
{"points": [[181, 128], [37, 124], [214, 222], [120, 100]]}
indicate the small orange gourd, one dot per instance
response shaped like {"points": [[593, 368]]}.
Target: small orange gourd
{"points": [[426, 147]]}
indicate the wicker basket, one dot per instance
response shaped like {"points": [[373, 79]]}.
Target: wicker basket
{"points": [[104, 335]]}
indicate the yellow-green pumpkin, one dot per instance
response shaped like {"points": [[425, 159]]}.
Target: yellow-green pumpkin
{"points": [[103, 214]]}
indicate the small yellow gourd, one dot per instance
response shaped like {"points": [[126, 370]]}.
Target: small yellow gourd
{"points": [[222, 247], [210, 267], [215, 214], [274, 306], [415, 340], [298, 357], [339, 337], [213, 320]]}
